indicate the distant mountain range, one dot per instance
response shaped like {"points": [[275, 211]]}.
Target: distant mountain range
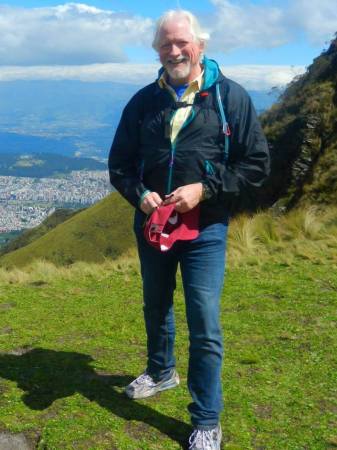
{"points": [[41, 165], [65, 117], [69, 117]]}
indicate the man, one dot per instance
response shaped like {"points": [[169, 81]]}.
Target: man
{"points": [[190, 138]]}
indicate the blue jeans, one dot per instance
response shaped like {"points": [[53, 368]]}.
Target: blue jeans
{"points": [[202, 265]]}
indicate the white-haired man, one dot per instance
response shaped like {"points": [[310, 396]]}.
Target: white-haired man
{"points": [[190, 138]]}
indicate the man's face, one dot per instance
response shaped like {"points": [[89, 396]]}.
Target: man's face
{"points": [[179, 53]]}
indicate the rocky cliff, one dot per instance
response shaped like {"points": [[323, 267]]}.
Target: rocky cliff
{"points": [[301, 129]]}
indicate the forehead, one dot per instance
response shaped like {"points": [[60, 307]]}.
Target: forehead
{"points": [[176, 29]]}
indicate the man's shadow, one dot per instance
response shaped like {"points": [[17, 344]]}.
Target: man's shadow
{"points": [[46, 375]]}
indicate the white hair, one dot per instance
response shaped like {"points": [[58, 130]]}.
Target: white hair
{"points": [[197, 33]]}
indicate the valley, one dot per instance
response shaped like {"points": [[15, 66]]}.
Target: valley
{"points": [[25, 202]]}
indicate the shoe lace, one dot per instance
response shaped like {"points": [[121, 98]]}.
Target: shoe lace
{"points": [[145, 379], [201, 439]]}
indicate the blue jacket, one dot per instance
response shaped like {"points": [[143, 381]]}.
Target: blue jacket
{"points": [[142, 156]]}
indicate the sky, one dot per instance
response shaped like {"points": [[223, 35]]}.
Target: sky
{"points": [[259, 43]]}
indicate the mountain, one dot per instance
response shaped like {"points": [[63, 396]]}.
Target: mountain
{"points": [[28, 236], [94, 234], [302, 131], [65, 117], [42, 165], [69, 117]]}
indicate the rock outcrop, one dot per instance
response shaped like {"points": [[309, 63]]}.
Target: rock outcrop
{"points": [[301, 129]]}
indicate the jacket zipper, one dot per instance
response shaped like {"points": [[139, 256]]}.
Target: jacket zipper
{"points": [[173, 151], [209, 167]]}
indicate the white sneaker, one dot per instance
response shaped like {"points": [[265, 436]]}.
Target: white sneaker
{"points": [[144, 386], [205, 439]]}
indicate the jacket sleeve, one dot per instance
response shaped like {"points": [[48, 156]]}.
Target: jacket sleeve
{"points": [[124, 161], [237, 181]]}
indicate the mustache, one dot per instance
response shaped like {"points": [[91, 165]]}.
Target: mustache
{"points": [[177, 60]]}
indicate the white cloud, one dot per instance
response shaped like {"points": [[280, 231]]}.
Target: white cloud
{"points": [[74, 33], [68, 34], [250, 25], [119, 72], [250, 76], [234, 26], [262, 77], [317, 18]]}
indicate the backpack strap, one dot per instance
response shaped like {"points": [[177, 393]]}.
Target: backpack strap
{"points": [[225, 127]]}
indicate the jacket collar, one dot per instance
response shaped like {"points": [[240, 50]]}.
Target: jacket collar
{"points": [[211, 73]]}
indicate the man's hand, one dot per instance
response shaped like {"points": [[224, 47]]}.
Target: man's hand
{"points": [[150, 202], [185, 197]]}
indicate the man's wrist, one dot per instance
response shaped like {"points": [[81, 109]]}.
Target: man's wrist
{"points": [[144, 194]]}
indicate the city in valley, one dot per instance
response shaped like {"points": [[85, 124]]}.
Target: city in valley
{"points": [[26, 202]]}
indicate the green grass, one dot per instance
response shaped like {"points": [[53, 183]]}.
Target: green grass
{"points": [[72, 337]]}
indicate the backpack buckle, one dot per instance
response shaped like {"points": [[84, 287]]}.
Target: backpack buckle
{"points": [[226, 130]]}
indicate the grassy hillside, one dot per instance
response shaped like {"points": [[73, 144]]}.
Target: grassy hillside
{"points": [[72, 337], [302, 132], [5, 238], [97, 233], [28, 236]]}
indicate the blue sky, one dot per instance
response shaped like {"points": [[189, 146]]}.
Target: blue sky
{"points": [[250, 38], [147, 7]]}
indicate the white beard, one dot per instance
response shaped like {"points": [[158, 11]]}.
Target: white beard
{"points": [[177, 73]]}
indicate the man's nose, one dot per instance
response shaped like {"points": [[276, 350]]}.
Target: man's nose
{"points": [[175, 50]]}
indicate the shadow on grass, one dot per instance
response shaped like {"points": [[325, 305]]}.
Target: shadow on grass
{"points": [[47, 375]]}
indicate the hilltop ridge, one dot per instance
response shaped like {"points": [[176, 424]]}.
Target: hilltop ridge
{"points": [[93, 235], [26, 237], [301, 129]]}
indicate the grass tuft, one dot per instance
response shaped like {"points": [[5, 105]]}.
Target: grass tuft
{"points": [[14, 276], [304, 233]]}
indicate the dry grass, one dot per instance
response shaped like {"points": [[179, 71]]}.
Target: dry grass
{"points": [[46, 272], [309, 234]]}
